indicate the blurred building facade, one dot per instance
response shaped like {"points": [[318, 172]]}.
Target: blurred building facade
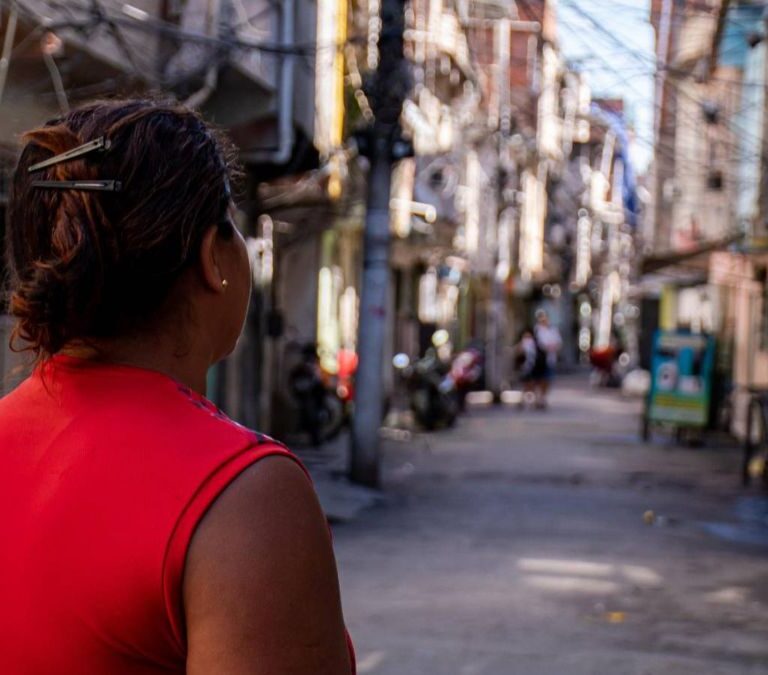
{"points": [[705, 262], [519, 193]]}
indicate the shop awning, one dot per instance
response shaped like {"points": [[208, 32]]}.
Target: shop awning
{"points": [[697, 254]]}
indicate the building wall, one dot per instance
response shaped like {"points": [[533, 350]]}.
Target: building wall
{"points": [[13, 366], [750, 366], [706, 179], [744, 325], [751, 119], [296, 298]]}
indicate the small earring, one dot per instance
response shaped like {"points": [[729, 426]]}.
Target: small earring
{"points": [[224, 283]]}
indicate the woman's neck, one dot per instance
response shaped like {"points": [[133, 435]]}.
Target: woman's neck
{"points": [[158, 354]]}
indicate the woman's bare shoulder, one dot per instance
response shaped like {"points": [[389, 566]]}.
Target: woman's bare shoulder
{"points": [[260, 586]]}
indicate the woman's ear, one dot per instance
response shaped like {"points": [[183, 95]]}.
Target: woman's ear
{"points": [[212, 274]]}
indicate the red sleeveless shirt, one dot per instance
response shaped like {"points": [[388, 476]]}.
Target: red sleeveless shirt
{"points": [[105, 471]]}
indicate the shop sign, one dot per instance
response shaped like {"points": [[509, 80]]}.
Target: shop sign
{"points": [[681, 378]]}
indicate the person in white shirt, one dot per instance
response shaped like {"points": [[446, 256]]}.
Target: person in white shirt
{"points": [[531, 363], [548, 338]]}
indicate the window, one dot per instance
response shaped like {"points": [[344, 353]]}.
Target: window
{"points": [[715, 174], [715, 179]]}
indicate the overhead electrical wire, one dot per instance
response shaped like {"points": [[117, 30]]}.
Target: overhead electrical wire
{"points": [[173, 31], [640, 57], [161, 27], [735, 178]]}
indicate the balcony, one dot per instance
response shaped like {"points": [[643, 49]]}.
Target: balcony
{"points": [[229, 60], [452, 40], [435, 33], [127, 40]]}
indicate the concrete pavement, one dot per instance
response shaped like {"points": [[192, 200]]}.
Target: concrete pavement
{"points": [[556, 543]]}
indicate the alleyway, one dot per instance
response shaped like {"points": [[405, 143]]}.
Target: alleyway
{"points": [[517, 544]]}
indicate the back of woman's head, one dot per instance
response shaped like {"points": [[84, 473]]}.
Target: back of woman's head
{"points": [[99, 264]]}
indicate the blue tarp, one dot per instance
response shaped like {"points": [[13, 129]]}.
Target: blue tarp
{"points": [[618, 125]]}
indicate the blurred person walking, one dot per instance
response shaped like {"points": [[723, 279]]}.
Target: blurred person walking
{"points": [[531, 361], [548, 338], [143, 530]]}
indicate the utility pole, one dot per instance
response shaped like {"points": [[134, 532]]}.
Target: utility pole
{"points": [[382, 145], [494, 357]]}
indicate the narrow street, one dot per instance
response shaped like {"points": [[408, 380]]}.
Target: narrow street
{"points": [[553, 543], [327, 215]]}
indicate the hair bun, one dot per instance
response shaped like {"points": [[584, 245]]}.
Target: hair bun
{"points": [[40, 305], [89, 265]]}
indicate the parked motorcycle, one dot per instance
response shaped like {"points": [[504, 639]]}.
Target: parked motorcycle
{"points": [[321, 410], [432, 392]]}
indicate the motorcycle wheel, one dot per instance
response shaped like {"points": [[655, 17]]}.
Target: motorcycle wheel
{"points": [[331, 417], [452, 408], [421, 406]]}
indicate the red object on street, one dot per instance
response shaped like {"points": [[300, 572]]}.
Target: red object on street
{"points": [[347, 360], [603, 358], [106, 471]]}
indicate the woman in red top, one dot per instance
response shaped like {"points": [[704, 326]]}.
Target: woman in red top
{"points": [[143, 531]]}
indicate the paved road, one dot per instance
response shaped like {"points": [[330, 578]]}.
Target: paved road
{"points": [[516, 544]]}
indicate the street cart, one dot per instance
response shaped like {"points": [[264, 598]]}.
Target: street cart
{"points": [[681, 382]]}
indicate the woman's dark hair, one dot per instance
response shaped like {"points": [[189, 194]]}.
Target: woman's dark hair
{"points": [[95, 264]]}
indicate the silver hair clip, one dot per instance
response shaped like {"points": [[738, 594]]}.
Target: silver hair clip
{"points": [[100, 144], [100, 185]]}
